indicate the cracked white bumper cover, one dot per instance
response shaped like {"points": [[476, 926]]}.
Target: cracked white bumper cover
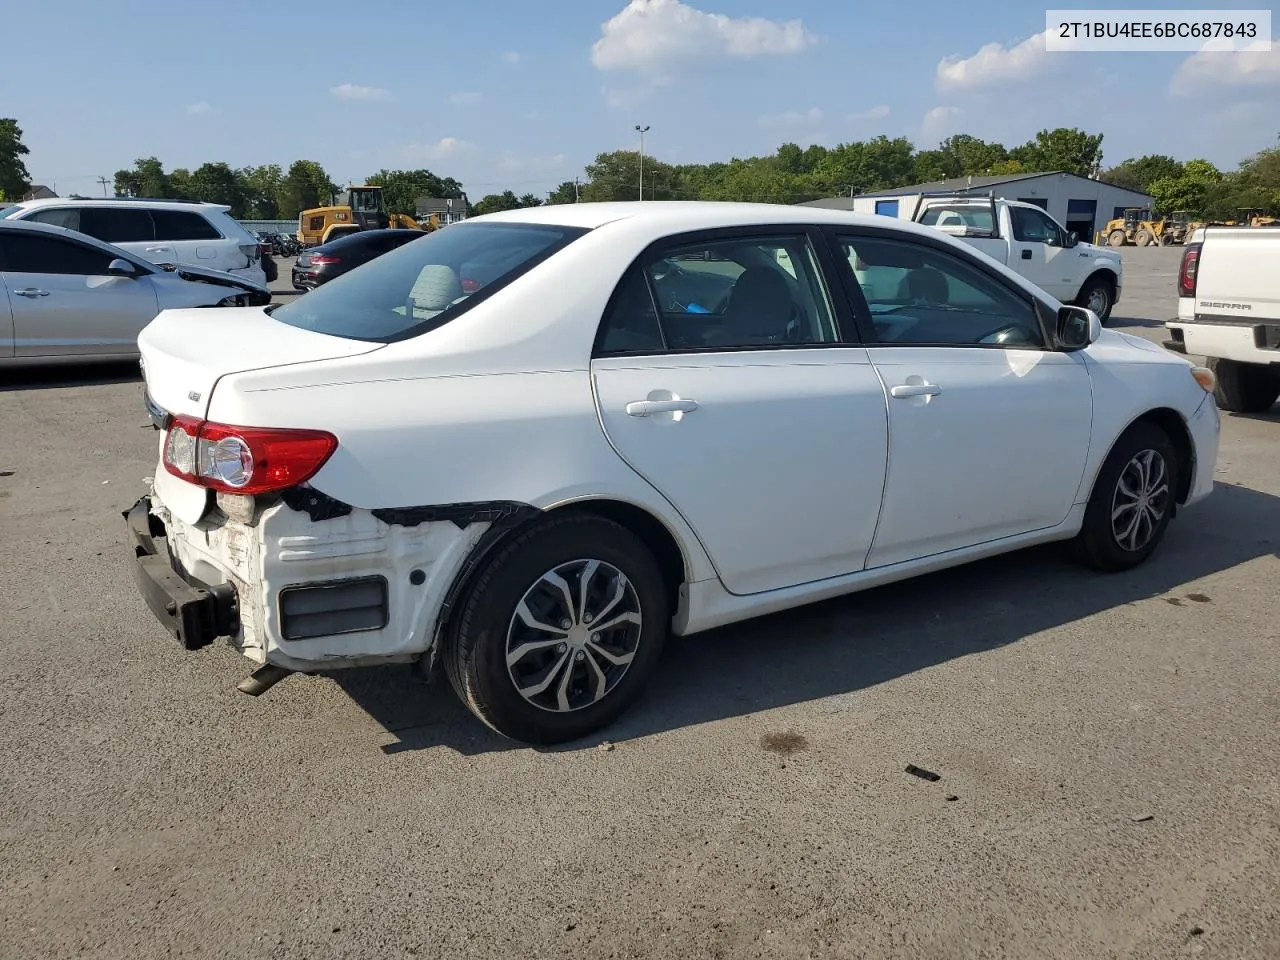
{"points": [[285, 547]]}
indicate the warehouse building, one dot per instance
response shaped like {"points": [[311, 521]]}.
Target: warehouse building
{"points": [[1078, 203]]}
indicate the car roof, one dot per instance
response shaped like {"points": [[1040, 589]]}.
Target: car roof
{"points": [[121, 202], [681, 215], [365, 236]]}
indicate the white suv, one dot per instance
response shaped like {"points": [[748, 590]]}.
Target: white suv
{"points": [[183, 232]]}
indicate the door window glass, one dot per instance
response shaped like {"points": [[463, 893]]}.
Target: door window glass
{"points": [[68, 217], [117, 224], [180, 225], [918, 294], [1032, 226], [35, 254], [740, 293]]}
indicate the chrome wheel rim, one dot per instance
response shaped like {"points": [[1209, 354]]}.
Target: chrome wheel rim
{"points": [[1098, 301], [573, 636], [1140, 500]]}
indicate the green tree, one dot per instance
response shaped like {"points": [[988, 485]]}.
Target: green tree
{"points": [[402, 188], [972, 156], [15, 181], [616, 176], [146, 179], [1190, 190], [1139, 173], [218, 183], [496, 203], [1066, 149], [261, 186], [567, 192], [306, 185]]}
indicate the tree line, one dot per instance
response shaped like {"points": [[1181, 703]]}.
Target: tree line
{"points": [[791, 174]]}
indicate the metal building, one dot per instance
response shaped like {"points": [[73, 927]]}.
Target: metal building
{"points": [[1078, 203]]}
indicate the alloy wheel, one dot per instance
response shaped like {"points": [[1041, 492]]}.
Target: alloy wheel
{"points": [[1140, 500], [573, 635]]}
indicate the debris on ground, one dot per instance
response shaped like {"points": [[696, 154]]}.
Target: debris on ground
{"points": [[923, 774]]}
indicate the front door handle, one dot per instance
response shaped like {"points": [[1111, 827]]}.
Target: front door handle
{"points": [[31, 292], [645, 408], [914, 390]]}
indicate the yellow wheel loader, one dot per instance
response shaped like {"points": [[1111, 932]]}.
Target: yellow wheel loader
{"points": [[362, 208]]}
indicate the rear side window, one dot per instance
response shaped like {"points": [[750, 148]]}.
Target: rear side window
{"points": [[26, 253], [181, 225], [68, 217], [961, 219], [117, 224], [423, 285]]}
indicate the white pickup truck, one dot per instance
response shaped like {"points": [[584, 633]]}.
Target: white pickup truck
{"points": [[1229, 312], [1026, 239]]}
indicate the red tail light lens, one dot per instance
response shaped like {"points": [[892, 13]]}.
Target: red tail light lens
{"points": [[321, 258], [1187, 272], [248, 460]]}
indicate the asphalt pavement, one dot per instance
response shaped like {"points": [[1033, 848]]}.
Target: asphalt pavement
{"points": [[1106, 749]]}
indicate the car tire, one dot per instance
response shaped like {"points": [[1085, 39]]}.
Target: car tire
{"points": [[1098, 287], [1245, 387], [1141, 472], [596, 675], [1144, 238], [1116, 238]]}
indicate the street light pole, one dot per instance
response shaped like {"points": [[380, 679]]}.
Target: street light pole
{"points": [[642, 131]]}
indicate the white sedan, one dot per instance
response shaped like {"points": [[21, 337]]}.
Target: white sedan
{"points": [[531, 446]]}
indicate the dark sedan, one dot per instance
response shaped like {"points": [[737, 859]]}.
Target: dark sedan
{"points": [[321, 264]]}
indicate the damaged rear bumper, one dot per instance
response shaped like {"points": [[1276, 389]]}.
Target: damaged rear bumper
{"points": [[194, 612]]}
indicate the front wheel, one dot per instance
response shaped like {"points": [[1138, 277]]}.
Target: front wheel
{"points": [[558, 633], [1099, 296], [1132, 500], [1116, 238]]}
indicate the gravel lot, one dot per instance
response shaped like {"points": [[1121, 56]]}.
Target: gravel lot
{"points": [[1106, 746]]}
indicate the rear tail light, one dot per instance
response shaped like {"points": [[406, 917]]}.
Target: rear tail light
{"points": [[1187, 272], [248, 460], [322, 259]]}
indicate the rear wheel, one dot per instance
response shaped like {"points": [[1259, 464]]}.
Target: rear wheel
{"points": [[1245, 387], [557, 635], [1132, 500]]}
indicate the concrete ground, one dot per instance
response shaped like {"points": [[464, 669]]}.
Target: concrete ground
{"points": [[1106, 747]]}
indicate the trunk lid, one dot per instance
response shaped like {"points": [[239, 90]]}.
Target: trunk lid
{"points": [[185, 352]]}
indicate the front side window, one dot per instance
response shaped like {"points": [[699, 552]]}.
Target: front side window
{"points": [[918, 294], [117, 224], [423, 285], [31, 253], [1032, 226], [724, 294]]}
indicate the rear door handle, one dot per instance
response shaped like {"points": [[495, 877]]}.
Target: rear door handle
{"points": [[914, 390], [31, 292], [645, 408]]}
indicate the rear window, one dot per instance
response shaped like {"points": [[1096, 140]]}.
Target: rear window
{"points": [[964, 220], [117, 224], [181, 225], [425, 284]]}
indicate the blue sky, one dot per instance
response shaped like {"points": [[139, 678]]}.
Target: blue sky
{"points": [[511, 93]]}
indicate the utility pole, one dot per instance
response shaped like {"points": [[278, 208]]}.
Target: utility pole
{"points": [[642, 131], [103, 181], [575, 189]]}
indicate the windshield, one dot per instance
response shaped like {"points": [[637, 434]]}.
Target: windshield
{"points": [[425, 283], [8, 211]]}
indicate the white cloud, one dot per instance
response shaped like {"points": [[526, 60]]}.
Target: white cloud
{"points": [[874, 113], [511, 56], [444, 147], [655, 34], [792, 118], [353, 91], [940, 122], [200, 107], [1212, 68], [995, 64], [460, 99]]}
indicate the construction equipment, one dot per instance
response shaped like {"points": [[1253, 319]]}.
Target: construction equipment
{"points": [[1137, 227], [1178, 225], [1256, 217], [362, 208]]}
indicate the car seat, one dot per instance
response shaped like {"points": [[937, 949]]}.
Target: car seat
{"points": [[924, 285], [435, 289], [760, 308]]}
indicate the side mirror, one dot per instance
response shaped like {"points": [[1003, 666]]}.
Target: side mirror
{"points": [[1073, 238], [121, 268], [1077, 327]]}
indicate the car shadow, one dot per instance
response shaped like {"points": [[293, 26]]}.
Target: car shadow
{"points": [[839, 647], [71, 375], [1114, 322]]}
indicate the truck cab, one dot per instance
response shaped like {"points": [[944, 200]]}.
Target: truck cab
{"points": [[1029, 241]]}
